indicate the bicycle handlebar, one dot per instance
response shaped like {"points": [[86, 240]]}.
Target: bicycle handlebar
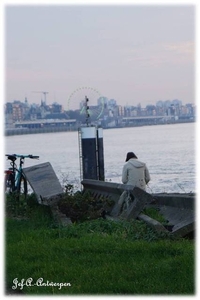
{"points": [[33, 156], [15, 156]]}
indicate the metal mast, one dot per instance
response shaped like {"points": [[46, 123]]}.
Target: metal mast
{"points": [[42, 93]]}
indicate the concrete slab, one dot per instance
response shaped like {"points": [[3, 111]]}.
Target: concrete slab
{"points": [[178, 209], [175, 215], [181, 200], [152, 223], [183, 228], [44, 183], [59, 217], [141, 198]]}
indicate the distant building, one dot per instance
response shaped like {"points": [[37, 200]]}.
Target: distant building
{"points": [[105, 109], [120, 110], [102, 101], [112, 103]]}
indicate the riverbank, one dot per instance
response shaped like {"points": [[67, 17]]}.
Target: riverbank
{"points": [[52, 129], [96, 257]]}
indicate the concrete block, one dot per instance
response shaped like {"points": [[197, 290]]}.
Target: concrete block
{"points": [[59, 217], [152, 223], [141, 198], [183, 228], [44, 183]]}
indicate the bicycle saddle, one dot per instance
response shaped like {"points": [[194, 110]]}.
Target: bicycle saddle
{"points": [[11, 157]]}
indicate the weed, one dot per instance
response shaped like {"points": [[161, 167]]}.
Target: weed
{"points": [[154, 214]]}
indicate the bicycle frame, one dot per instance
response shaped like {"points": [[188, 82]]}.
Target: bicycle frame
{"points": [[18, 174]]}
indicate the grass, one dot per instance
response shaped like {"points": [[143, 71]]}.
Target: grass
{"points": [[154, 214], [97, 257]]}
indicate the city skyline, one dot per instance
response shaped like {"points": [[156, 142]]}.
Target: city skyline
{"points": [[133, 54], [102, 99]]}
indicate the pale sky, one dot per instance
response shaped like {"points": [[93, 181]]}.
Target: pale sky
{"points": [[133, 54]]}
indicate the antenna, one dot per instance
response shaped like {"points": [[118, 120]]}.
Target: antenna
{"points": [[42, 93]]}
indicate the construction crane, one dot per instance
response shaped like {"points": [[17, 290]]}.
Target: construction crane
{"points": [[42, 93]]}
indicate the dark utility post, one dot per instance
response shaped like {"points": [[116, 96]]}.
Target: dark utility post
{"points": [[91, 150], [100, 153]]}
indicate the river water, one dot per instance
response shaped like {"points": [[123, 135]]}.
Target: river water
{"points": [[168, 151]]}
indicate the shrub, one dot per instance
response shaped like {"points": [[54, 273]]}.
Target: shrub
{"points": [[81, 206]]}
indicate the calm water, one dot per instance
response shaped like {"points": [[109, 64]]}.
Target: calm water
{"points": [[168, 150]]}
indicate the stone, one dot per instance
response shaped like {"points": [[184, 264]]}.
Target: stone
{"points": [[152, 223], [44, 183]]}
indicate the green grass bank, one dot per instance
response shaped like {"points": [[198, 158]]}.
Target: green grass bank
{"points": [[95, 257]]}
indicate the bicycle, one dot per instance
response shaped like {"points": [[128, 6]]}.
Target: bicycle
{"points": [[15, 181]]}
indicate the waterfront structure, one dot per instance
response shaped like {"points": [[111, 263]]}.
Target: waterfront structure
{"points": [[91, 153], [24, 115]]}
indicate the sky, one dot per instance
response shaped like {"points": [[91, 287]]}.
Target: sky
{"points": [[131, 53]]}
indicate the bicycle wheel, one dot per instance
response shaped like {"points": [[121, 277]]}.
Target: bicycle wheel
{"points": [[22, 189]]}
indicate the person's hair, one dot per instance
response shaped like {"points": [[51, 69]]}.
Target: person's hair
{"points": [[130, 155]]}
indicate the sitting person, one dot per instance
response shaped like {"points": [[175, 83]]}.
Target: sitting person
{"points": [[135, 172]]}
